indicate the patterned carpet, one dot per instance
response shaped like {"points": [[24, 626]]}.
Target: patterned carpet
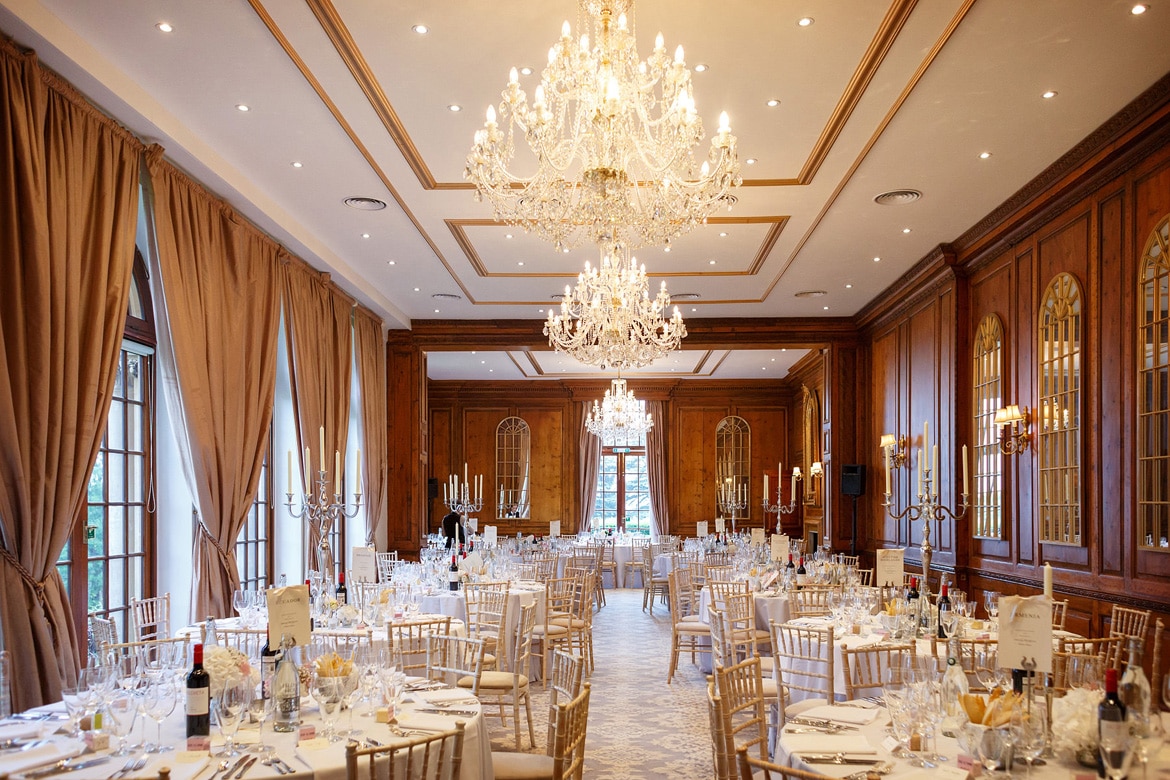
{"points": [[640, 728]]}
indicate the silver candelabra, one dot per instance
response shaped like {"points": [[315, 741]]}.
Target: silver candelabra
{"points": [[927, 509], [778, 508], [732, 500], [463, 497], [323, 512]]}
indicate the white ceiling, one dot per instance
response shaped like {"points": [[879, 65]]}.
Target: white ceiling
{"points": [[874, 96]]}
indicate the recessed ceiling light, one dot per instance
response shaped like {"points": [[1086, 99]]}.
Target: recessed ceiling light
{"points": [[364, 204], [763, 368], [436, 311], [751, 161], [665, 249], [773, 360], [565, 251], [905, 230], [805, 21], [826, 308], [710, 262], [1049, 94], [421, 29], [540, 311], [491, 371], [723, 234], [701, 67], [416, 289], [773, 103], [984, 155], [785, 349], [1137, 10], [242, 107], [455, 107], [483, 362], [297, 164], [165, 27], [526, 71], [507, 235], [693, 308], [877, 259], [473, 351], [848, 287], [519, 262], [391, 262], [365, 235]]}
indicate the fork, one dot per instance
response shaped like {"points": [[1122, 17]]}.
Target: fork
{"points": [[133, 765], [883, 768]]}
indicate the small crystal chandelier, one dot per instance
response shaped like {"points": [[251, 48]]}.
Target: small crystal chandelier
{"points": [[620, 416], [611, 140], [609, 319]]}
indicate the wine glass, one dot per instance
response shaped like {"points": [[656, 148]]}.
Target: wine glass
{"points": [[987, 667], [258, 710], [158, 702], [75, 708], [1084, 672], [1117, 750], [1148, 735], [1166, 691], [1029, 727], [230, 704], [240, 601], [991, 604], [949, 619], [993, 747], [351, 693], [327, 692], [119, 714]]}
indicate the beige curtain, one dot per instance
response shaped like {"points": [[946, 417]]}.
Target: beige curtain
{"points": [[590, 448], [370, 353], [318, 324], [217, 305], [656, 468], [68, 206]]}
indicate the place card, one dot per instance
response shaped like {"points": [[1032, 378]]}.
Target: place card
{"points": [[701, 529], [363, 564], [554, 528], [288, 615], [193, 756], [719, 525], [197, 745], [757, 536], [1025, 633], [890, 568], [473, 524], [489, 535], [313, 743], [780, 547]]}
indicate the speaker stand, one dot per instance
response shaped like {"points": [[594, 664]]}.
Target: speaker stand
{"points": [[853, 541]]}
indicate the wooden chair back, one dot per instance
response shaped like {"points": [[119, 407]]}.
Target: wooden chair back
{"points": [[433, 757]]}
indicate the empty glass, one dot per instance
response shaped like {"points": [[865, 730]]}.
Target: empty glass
{"points": [[1148, 735], [991, 603], [158, 702], [1029, 727], [75, 708], [328, 693], [258, 709], [230, 705], [118, 717], [1117, 752]]}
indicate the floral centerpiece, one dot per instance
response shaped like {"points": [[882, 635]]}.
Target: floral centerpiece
{"points": [[227, 666], [1076, 712]]}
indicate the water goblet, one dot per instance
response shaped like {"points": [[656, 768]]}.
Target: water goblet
{"points": [[1029, 727], [258, 710], [75, 708], [230, 704], [240, 602], [1148, 735], [991, 602], [158, 702], [351, 694], [327, 692], [119, 715], [987, 667], [1117, 751]]}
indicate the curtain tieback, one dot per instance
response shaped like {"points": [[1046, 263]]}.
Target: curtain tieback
{"points": [[37, 586], [202, 526]]}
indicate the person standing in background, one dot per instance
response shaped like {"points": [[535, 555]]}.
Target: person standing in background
{"points": [[453, 529]]}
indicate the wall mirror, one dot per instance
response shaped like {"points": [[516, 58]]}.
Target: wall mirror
{"points": [[1059, 416], [1153, 391], [513, 468], [987, 398], [810, 444], [733, 447]]}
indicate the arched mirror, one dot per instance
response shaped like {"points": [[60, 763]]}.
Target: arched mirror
{"points": [[811, 446], [987, 398], [1153, 391], [733, 447], [513, 468], [1059, 418]]}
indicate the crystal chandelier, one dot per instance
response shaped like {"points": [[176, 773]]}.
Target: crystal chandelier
{"points": [[609, 319], [620, 416], [611, 140]]}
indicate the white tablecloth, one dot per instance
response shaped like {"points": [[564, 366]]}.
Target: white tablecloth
{"points": [[454, 603]]}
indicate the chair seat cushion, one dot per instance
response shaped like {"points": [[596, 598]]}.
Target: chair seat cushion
{"points": [[522, 766], [692, 619], [549, 629], [567, 621], [688, 627], [495, 681]]}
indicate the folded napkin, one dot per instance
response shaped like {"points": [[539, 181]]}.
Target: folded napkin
{"points": [[853, 716], [45, 753], [28, 730], [444, 695], [851, 744], [429, 721]]}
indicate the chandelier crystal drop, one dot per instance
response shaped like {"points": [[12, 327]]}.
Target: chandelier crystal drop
{"points": [[609, 319], [619, 416], [610, 140]]}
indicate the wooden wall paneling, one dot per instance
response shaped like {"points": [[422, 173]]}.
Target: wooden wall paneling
{"points": [[1026, 292], [694, 463], [475, 443], [886, 401], [1113, 344], [846, 413], [948, 475], [1151, 204], [552, 492], [769, 446], [920, 336], [442, 463], [407, 453], [1067, 246]]}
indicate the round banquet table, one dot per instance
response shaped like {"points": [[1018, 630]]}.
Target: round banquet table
{"points": [[454, 603]]}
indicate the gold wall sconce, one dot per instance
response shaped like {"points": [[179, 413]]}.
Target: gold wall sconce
{"points": [[816, 470], [895, 449], [1013, 429]]}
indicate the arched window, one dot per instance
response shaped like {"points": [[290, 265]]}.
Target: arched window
{"points": [[1059, 419], [987, 398], [733, 451], [1153, 388], [513, 468]]}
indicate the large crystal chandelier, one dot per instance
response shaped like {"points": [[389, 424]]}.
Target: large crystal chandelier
{"points": [[611, 140], [620, 416], [609, 319]]}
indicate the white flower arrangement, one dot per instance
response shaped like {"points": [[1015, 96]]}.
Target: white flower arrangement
{"points": [[227, 666], [1076, 712]]}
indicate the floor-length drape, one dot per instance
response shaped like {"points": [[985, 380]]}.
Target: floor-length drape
{"points": [[217, 300], [370, 353], [656, 467], [68, 205], [319, 326], [589, 446]]}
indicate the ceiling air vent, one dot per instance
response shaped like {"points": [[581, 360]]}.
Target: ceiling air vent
{"points": [[812, 294], [686, 296], [365, 204], [446, 297], [897, 197]]}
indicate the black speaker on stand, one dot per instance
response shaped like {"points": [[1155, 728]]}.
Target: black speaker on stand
{"points": [[853, 484]]}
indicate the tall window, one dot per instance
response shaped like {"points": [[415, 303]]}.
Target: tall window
{"points": [[987, 503], [254, 544], [623, 487], [1154, 391], [114, 542], [1060, 412]]}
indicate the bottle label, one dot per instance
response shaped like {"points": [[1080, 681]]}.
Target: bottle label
{"points": [[1114, 732], [198, 701]]}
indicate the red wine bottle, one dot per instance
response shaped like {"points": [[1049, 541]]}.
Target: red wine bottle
{"points": [[198, 698]]}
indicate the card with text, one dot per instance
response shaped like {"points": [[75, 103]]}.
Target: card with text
{"points": [[363, 565], [719, 525], [554, 528], [489, 535], [701, 528], [757, 536], [890, 568], [288, 615], [779, 547], [1025, 633]]}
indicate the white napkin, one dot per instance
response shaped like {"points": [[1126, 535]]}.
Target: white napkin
{"points": [[853, 716], [410, 719], [851, 744], [29, 730], [45, 753], [444, 695]]}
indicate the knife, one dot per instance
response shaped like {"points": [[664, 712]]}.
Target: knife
{"points": [[66, 766], [836, 758], [462, 713], [247, 765], [822, 722]]}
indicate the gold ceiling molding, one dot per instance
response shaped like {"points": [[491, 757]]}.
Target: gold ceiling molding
{"points": [[778, 222], [334, 27], [535, 368], [927, 61]]}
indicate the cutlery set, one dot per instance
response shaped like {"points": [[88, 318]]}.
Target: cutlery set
{"points": [[65, 765], [279, 765], [821, 723]]}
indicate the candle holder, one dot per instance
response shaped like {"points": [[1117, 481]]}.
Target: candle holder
{"points": [[779, 509], [462, 499], [927, 509], [322, 513], [730, 503]]}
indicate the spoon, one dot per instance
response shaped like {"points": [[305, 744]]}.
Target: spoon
{"points": [[883, 768], [274, 763]]}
